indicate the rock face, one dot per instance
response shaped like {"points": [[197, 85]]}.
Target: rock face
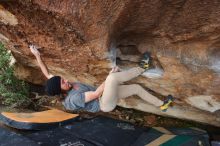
{"points": [[76, 38]]}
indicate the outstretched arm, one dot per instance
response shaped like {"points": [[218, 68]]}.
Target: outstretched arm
{"points": [[43, 67]]}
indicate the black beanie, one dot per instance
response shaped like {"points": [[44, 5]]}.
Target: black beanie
{"points": [[53, 86]]}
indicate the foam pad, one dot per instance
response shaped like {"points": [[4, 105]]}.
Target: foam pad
{"points": [[58, 137], [38, 120], [103, 131], [173, 136], [8, 138]]}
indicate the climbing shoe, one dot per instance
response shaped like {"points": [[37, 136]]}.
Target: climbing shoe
{"points": [[145, 61], [166, 103]]}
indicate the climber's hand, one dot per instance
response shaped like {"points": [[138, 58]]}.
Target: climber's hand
{"points": [[34, 50], [115, 69]]}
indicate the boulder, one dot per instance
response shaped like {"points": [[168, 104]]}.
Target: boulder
{"points": [[81, 40]]}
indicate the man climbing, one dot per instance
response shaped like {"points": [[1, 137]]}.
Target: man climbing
{"points": [[80, 96]]}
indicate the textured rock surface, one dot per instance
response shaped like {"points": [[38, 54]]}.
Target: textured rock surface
{"points": [[75, 36]]}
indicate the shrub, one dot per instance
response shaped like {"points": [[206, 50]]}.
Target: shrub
{"points": [[13, 92]]}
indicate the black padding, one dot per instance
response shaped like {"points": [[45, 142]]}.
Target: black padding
{"points": [[187, 131], [100, 131], [58, 137], [146, 138], [106, 132], [103, 131], [8, 138], [184, 137]]}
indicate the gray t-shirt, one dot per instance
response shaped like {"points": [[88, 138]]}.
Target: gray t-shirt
{"points": [[75, 99]]}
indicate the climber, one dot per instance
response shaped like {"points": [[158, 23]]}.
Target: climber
{"points": [[80, 96]]}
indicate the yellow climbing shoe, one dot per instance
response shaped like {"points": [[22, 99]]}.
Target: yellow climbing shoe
{"points": [[166, 103], [145, 61]]}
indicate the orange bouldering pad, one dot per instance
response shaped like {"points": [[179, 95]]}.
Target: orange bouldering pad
{"points": [[37, 120]]}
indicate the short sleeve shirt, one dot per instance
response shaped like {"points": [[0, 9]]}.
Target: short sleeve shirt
{"points": [[75, 99]]}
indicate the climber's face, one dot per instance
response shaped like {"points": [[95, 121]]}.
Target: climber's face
{"points": [[65, 85]]}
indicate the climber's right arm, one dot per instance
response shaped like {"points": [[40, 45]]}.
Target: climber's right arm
{"points": [[43, 67]]}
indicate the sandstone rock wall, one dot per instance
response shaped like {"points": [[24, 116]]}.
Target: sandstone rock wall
{"points": [[75, 37]]}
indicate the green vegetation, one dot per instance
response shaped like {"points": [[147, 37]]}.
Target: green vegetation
{"points": [[13, 92]]}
